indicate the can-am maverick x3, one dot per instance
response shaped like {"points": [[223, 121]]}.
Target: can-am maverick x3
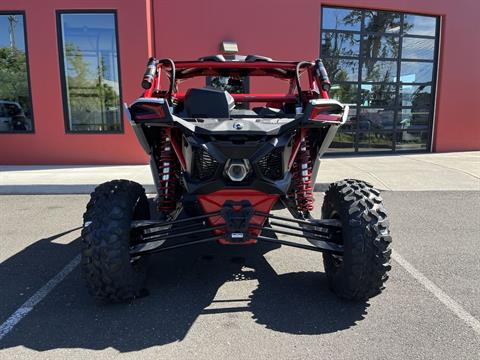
{"points": [[221, 162]]}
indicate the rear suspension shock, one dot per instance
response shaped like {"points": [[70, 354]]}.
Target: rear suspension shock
{"points": [[302, 177], [168, 169]]}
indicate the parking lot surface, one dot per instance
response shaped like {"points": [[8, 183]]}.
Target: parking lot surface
{"points": [[255, 302]]}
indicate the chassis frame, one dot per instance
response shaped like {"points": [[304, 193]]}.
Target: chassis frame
{"points": [[316, 97], [326, 233]]}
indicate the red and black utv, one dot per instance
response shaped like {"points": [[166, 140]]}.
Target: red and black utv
{"points": [[222, 158]]}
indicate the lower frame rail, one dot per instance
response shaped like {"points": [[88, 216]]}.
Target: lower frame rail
{"points": [[325, 234], [171, 234], [160, 223], [175, 246], [325, 248]]}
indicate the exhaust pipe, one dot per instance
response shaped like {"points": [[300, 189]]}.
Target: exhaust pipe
{"points": [[237, 170]]}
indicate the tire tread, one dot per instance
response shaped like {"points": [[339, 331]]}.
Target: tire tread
{"points": [[106, 265], [367, 240]]}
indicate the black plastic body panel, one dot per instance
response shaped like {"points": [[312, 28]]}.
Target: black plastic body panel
{"points": [[224, 150]]}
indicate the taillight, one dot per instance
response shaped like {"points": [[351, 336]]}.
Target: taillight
{"points": [[149, 112], [328, 110], [324, 113], [148, 117]]}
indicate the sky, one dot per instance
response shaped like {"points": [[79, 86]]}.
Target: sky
{"points": [[5, 33]]}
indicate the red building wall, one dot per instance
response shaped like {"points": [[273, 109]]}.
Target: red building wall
{"points": [[277, 28], [50, 144]]}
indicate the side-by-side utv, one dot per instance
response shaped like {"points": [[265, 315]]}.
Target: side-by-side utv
{"points": [[222, 157]]}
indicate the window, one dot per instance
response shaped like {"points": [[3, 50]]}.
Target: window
{"points": [[383, 64], [15, 101], [89, 64]]}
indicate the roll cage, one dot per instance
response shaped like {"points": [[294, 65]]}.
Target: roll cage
{"points": [[239, 66]]}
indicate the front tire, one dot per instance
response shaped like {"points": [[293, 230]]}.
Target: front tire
{"points": [[109, 271], [360, 273]]}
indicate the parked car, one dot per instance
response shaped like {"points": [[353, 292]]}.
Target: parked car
{"points": [[12, 117]]}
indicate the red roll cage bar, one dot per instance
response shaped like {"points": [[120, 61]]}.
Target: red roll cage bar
{"points": [[319, 83]]}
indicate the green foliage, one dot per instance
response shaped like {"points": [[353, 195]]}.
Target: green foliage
{"points": [[13, 77], [345, 93], [334, 46], [93, 101], [374, 44]]}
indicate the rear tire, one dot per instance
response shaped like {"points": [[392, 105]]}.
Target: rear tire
{"points": [[108, 269], [360, 273]]}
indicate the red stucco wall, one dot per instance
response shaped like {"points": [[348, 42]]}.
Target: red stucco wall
{"points": [[50, 144], [277, 28]]}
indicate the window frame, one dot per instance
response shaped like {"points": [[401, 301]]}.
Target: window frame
{"points": [[27, 60], [63, 80], [397, 107]]}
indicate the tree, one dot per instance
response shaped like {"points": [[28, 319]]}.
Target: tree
{"points": [[14, 77], [92, 100]]}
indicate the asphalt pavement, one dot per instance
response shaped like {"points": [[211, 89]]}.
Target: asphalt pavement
{"points": [[255, 302]]}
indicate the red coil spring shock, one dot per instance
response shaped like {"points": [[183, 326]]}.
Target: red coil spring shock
{"points": [[167, 165], [302, 177]]}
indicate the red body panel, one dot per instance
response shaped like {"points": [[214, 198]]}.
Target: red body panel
{"points": [[260, 201]]}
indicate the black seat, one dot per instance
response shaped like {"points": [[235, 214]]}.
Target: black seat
{"points": [[208, 103]]}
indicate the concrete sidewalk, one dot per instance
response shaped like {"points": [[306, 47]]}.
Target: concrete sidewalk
{"points": [[418, 172]]}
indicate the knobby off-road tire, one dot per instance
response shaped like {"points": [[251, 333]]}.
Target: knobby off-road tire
{"points": [[108, 269], [363, 269]]}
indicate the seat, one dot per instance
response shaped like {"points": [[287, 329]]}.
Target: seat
{"points": [[208, 103]]}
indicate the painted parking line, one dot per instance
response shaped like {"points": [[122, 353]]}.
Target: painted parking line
{"points": [[446, 300], [28, 305]]}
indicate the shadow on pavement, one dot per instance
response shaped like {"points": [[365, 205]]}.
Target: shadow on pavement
{"points": [[56, 189], [25, 272], [301, 303], [182, 285]]}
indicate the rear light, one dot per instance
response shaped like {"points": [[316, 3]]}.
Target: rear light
{"points": [[148, 109], [323, 113], [328, 110], [148, 117], [149, 112]]}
